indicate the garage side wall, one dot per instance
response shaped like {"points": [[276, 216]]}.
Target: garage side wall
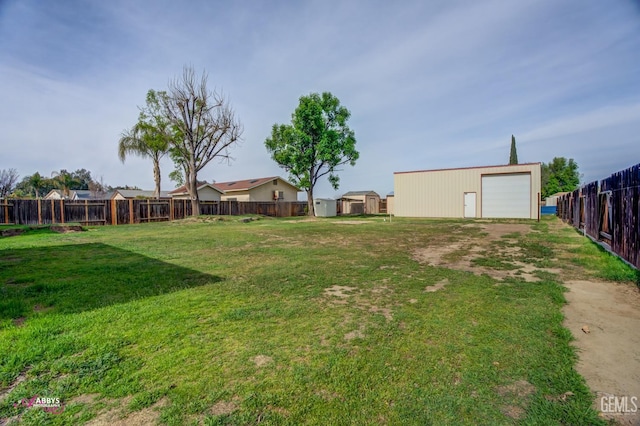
{"points": [[440, 193]]}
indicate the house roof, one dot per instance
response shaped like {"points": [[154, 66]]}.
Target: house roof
{"points": [[82, 194], [234, 185], [248, 184], [181, 190], [357, 193], [53, 191], [86, 194], [139, 193]]}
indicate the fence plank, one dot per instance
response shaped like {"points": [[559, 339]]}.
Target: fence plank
{"points": [[610, 212]]}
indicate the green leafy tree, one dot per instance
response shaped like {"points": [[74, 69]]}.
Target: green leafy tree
{"points": [[82, 179], [65, 181], [560, 175], [513, 155], [150, 137], [206, 125], [36, 182], [35, 185], [315, 144]]}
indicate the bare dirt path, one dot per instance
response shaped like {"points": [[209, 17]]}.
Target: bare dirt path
{"points": [[604, 318]]}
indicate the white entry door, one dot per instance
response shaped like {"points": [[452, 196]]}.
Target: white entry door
{"points": [[469, 204]]}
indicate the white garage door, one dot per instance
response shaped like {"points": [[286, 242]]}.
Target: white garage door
{"points": [[507, 196]]}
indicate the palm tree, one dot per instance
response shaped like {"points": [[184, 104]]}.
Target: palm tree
{"points": [[150, 137], [144, 142], [64, 181], [36, 182]]}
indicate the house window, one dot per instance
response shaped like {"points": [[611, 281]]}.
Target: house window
{"points": [[275, 181]]}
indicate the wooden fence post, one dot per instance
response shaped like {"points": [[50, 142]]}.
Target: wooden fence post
{"points": [[86, 212], [6, 211], [62, 210], [53, 212], [114, 212], [39, 212], [171, 209], [130, 211]]}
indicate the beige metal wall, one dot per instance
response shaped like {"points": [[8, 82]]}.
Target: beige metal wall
{"points": [[440, 193]]}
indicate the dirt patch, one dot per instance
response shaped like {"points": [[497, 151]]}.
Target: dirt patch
{"points": [[19, 321], [65, 229], [262, 360], [439, 286], [464, 254], [355, 334], [516, 396], [116, 414], [608, 354], [350, 222], [11, 232], [221, 408], [385, 312], [370, 300], [5, 393], [88, 398], [339, 291]]}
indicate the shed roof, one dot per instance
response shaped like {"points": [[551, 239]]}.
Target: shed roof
{"points": [[139, 193], [468, 168], [356, 193]]}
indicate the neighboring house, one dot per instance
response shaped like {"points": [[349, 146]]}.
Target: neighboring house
{"points": [[360, 202], [262, 189], [511, 191], [552, 200], [132, 194], [206, 192], [77, 195], [55, 194]]}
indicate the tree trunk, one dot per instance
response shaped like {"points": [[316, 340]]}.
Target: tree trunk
{"points": [[310, 209], [156, 178], [192, 186]]}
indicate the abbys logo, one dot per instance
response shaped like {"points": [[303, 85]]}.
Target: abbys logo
{"points": [[50, 405], [612, 404]]}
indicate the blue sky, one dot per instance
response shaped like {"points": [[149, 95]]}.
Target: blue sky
{"points": [[430, 84]]}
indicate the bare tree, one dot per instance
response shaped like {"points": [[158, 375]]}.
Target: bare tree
{"points": [[206, 123], [8, 179]]}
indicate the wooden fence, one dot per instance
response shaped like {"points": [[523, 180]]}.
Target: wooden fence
{"points": [[608, 211], [119, 212]]}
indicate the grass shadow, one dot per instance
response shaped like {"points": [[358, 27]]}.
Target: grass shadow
{"points": [[81, 277]]}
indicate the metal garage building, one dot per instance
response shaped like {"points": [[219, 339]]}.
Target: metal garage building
{"points": [[489, 192]]}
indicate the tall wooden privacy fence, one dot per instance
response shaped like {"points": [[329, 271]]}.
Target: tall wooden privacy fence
{"points": [[118, 212], [608, 211]]}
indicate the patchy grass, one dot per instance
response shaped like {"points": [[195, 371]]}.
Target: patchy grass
{"points": [[284, 322]]}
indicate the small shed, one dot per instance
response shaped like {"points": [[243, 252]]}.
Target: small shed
{"points": [[325, 207], [360, 202]]}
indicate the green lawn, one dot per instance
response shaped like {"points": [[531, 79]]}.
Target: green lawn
{"points": [[282, 321]]}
